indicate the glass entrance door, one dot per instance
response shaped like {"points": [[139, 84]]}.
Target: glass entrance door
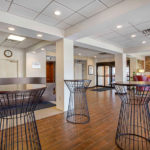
{"points": [[100, 71], [105, 74]]}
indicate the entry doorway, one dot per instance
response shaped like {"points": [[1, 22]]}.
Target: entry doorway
{"points": [[105, 74], [50, 72]]}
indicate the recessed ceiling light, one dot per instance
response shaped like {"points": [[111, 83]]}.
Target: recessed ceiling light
{"points": [[143, 42], [16, 38], [57, 13], [11, 29], [119, 26], [133, 35], [42, 49], [95, 56], [79, 54], [39, 35]]}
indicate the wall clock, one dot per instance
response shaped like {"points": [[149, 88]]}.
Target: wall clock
{"points": [[8, 53]]}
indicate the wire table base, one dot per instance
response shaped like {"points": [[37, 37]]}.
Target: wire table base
{"points": [[133, 131], [78, 108], [18, 129]]}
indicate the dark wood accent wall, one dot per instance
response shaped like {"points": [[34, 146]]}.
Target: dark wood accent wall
{"points": [[140, 64], [147, 64]]}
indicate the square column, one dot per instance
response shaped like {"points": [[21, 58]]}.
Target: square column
{"points": [[120, 65], [64, 71]]}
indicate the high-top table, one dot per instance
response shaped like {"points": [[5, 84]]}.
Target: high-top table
{"points": [[78, 108], [18, 130], [133, 131]]}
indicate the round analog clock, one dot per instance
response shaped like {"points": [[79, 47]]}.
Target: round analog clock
{"points": [[8, 53]]}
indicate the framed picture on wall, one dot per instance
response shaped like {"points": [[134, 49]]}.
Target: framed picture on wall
{"points": [[90, 70]]}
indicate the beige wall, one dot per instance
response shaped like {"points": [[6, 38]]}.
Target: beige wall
{"points": [[31, 59], [18, 55]]}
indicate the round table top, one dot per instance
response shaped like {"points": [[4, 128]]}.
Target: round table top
{"points": [[133, 83], [20, 87]]}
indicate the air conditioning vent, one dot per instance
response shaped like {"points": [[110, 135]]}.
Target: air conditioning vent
{"points": [[104, 53], [146, 32]]}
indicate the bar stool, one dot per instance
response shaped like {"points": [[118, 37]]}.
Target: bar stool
{"points": [[133, 131], [78, 109]]}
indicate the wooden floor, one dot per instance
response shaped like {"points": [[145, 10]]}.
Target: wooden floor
{"points": [[99, 134]]}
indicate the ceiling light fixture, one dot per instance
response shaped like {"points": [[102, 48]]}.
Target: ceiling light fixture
{"points": [[11, 29], [57, 13], [42, 49], [95, 56], [143, 42], [39, 35], [79, 54], [119, 26], [133, 35], [16, 38]]}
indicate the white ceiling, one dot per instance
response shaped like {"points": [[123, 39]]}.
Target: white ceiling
{"points": [[122, 37], [28, 42], [73, 11]]}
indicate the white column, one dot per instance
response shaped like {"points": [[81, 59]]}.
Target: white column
{"points": [[133, 66], [120, 65], [64, 71]]}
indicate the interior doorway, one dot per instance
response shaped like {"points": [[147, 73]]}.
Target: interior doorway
{"points": [[50, 72]]}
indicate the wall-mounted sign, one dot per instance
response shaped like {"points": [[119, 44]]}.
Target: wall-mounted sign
{"points": [[36, 65], [90, 70], [50, 58]]}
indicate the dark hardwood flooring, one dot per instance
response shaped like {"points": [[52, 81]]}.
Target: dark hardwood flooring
{"points": [[99, 134]]}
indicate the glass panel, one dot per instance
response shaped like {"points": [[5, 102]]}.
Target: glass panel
{"points": [[101, 75], [113, 74], [107, 76]]}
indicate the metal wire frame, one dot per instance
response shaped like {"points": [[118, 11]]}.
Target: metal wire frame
{"points": [[133, 131], [78, 108], [18, 129]]}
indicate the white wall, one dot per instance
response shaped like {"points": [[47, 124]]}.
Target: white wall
{"points": [[18, 55], [39, 57]]}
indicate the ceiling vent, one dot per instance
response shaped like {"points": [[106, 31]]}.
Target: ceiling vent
{"points": [[146, 32], [104, 53]]}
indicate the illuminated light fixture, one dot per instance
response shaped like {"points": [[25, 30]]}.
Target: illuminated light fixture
{"points": [[16, 38], [119, 26], [79, 54], [39, 35], [33, 52], [143, 42], [11, 29], [42, 49], [57, 13], [133, 35], [95, 56]]}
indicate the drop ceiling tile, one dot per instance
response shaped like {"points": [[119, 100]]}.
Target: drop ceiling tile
{"points": [[65, 12], [46, 20], [92, 9], [27, 43], [143, 26], [21, 11], [110, 3], [4, 5], [126, 30], [74, 19], [9, 43], [36, 5], [63, 25], [74, 4], [110, 35]]}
